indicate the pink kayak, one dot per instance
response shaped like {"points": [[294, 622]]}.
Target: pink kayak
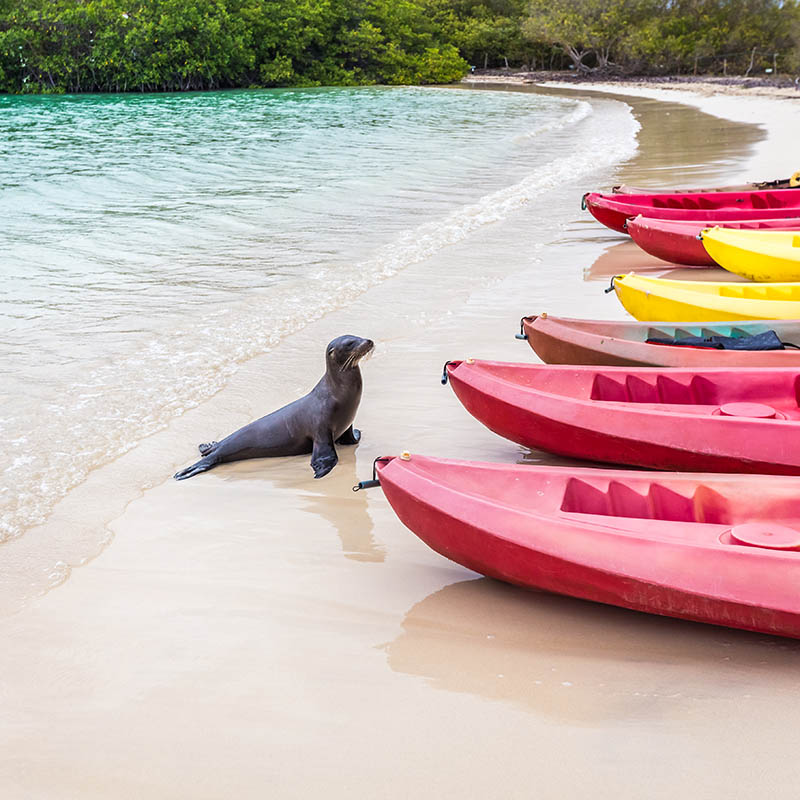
{"points": [[705, 420], [614, 210], [721, 549], [678, 242]]}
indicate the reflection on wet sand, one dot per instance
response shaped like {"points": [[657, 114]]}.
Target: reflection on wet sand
{"points": [[623, 257], [628, 257], [579, 661], [330, 499]]}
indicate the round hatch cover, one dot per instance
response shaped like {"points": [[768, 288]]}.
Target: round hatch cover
{"points": [[753, 410], [765, 534]]}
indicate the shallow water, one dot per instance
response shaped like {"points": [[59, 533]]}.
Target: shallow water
{"points": [[152, 243]]}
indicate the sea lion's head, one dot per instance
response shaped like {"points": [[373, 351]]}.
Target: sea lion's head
{"points": [[344, 352]]}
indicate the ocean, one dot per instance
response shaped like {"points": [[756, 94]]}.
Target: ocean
{"points": [[152, 243]]}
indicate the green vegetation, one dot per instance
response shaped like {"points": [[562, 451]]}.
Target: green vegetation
{"points": [[167, 45], [153, 45], [671, 36]]}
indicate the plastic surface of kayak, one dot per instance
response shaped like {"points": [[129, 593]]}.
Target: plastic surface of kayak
{"points": [[765, 256], [559, 340], [719, 549], [780, 183], [615, 209], [678, 241], [681, 419], [652, 299]]}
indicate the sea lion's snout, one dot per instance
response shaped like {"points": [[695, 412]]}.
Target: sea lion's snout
{"points": [[367, 347]]}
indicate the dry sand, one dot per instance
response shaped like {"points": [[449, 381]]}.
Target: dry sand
{"points": [[255, 633]]}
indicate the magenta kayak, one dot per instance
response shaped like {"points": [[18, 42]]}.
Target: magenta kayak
{"points": [[715, 420], [677, 241], [710, 207]]}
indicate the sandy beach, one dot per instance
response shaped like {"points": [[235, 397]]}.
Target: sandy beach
{"points": [[252, 632]]}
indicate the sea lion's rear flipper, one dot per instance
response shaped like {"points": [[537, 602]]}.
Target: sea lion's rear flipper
{"points": [[206, 447], [350, 436], [202, 465], [323, 456]]}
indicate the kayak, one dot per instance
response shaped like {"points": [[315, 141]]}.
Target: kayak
{"points": [[766, 256], [659, 299], [720, 549], [560, 340], [714, 420], [781, 183], [614, 210], [678, 241]]}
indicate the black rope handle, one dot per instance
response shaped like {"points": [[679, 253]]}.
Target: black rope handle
{"points": [[444, 372], [522, 334], [611, 286], [375, 481]]}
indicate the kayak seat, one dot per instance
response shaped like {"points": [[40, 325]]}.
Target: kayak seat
{"points": [[706, 203], [659, 389], [768, 340], [671, 202], [620, 500]]}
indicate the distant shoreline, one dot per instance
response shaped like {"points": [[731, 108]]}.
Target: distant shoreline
{"points": [[703, 85]]}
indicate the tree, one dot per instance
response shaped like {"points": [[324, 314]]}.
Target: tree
{"points": [[584, 28]]}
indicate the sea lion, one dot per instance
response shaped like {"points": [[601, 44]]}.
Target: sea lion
{"points": [[312, 424]]}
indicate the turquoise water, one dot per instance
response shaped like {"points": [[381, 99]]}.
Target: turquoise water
{"points": [[153, 242]]}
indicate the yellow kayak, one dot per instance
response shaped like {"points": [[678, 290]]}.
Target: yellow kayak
{"points": [[760, 255], [661, 300]]}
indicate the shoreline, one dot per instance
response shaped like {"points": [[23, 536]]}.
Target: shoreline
{"points": [[702, 85], [255, 627], [775, 110]]}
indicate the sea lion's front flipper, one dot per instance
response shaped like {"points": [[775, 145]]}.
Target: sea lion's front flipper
{"points": [[323, 456], [206, 447], [350, 436]]}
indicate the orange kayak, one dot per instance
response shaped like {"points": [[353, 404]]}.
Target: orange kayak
{"points": [[561, 340]]}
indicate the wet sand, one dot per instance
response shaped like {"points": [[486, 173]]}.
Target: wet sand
{"points": [[252, 632]]}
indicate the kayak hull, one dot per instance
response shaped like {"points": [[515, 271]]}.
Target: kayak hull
{"points": [[614, 211], [666, 550], [657, 299], [674, 420], [671, 240], [679, 242], [605, 343], [767, 256]]}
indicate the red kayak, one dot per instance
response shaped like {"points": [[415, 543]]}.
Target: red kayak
{"points": [[615, 209], [561, 340], [678, 241], [710, 420], [721, 549]]}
